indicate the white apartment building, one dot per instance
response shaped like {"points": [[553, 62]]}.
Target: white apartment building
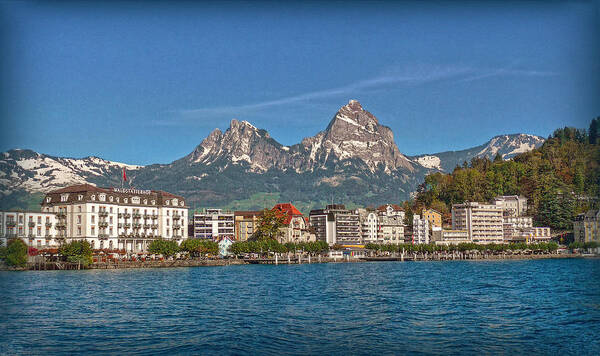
{"points": [[420, 230], [513, 205], [484, 222], [453, 237], [116, 219], [368, 225], [214, 224], [336, 225], [37, 229]]}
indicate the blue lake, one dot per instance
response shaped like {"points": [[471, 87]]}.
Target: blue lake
{"points": [[457, 307]]}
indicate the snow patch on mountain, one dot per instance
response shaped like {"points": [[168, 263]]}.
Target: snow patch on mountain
{"points": [[431, 162]]}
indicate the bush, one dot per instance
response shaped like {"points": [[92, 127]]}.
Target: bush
{"points": [[15, 253]]}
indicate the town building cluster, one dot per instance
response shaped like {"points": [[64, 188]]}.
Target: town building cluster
{"points": [[130, 219]]}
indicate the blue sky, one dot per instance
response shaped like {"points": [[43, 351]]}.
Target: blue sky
{"points": [[145, 83]]}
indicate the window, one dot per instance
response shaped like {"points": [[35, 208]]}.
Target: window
{"points": [[93, 244], [93, 231], [39, 220], [79, 219], [145, 201], [167, 222], [110, 231], [110, 219], [102, 197], [93, 197], [78, 230], [21, 219], [48, 199], [47, 219], [167, 212], [93, 208], [110, 209], [166, 202], [153, 202], [125, 200], [110, 245], [93, 219], [110, 199], [118, 199], [79, 209], [80, 197], [101, 244], [39, 231], [64, 197]]}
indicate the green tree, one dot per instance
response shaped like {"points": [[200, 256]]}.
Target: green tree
{"points": [[269, 225], [199, 247], [15, 253], [77, 252], [163, 247]]}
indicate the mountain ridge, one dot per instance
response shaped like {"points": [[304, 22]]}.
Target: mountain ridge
{"points": [[355, 159]]}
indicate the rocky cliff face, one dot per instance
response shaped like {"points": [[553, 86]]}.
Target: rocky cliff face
{"points": [[353, 134]]}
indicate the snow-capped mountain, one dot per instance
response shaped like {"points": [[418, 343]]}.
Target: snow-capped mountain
{"points": [[354, 159], [34, 172], [507, 146]]}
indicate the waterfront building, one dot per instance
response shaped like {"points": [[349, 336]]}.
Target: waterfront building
{"points": [[295, 226], [37, 229], [114, 218], [391, 210], [224, 245], [390, 229], [512, 205], [245, 223], [420, 230], [368, 221], [214, 224], [586, 227], [433, 217], [516, 228], [336, 225], [453, 237], [484, 222]]}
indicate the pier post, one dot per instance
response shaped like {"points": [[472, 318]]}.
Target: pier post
{"points": [[289, 262], [299, 259], [308, 258], [276, 260]]}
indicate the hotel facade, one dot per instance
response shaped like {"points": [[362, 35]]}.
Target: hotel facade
{"points": [[116, 219]]}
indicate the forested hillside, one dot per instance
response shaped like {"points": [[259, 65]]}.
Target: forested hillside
{"points": [[560, 179]]}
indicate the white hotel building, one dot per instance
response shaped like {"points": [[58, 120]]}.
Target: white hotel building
{"points": [[37, 229], [116, 219]]}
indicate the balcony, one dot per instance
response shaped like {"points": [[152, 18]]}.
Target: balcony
{"points": [[103, 224], [31, 224], [103, 213], [11, 223], [146, 216], [61, 225], [61, 215], [103, 236], [176, 216], [154, 216], [137, 225], [48, 224], [137, 215]]}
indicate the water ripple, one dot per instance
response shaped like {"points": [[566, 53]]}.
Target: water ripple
{"points": [[453, 307]]}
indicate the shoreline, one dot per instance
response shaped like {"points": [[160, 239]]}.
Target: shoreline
{"points": [[284, 261]]}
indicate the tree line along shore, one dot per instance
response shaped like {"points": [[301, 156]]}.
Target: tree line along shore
{"points": [[192, 253]]}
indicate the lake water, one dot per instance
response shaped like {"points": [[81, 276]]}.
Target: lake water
{"points": [[537, 307]]}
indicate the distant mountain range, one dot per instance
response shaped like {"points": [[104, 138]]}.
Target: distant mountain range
{"points": [[354, 160]]}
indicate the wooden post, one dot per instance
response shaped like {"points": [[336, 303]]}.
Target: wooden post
{"points": [[276, 261]]}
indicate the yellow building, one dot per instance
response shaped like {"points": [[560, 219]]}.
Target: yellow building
{"points": [[434, 217], [245, 224]]}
